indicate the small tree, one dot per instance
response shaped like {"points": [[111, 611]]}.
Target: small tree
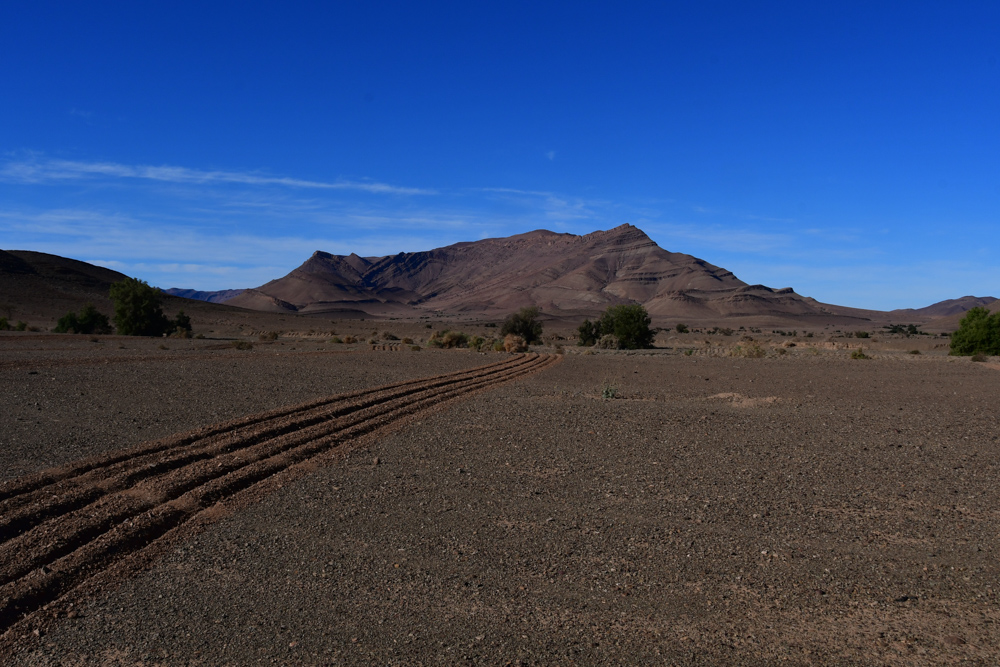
{"points": [[630, 324], [681, 328], [523, 323], [588, 333], [137, 309], [622, 326], [978, 333], [89, 321]]}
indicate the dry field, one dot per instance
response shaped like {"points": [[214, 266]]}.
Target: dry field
{"points": [[310, 504]]}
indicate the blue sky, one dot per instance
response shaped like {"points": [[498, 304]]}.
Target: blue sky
{"points": [[850, 150]]}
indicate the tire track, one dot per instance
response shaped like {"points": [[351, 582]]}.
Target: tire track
{"points": [[62, 527]]}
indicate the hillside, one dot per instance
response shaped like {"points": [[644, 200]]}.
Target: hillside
{"points": [[565, 275]]}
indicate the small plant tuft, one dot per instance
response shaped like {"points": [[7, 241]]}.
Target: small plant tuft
{"points": [[242, 345], [859, 354]]}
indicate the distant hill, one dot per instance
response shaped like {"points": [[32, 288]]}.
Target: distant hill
{"points": [[943, 308], [565, 275], [569, 277], [218, 296]]}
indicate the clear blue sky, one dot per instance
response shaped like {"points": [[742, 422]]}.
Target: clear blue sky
{"points": [[850, 150]]}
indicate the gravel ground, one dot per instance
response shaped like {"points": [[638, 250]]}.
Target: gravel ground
{"points": [[66, 398], [818, 510]]}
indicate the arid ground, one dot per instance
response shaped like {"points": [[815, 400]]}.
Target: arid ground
{"points": [[675, 506]]}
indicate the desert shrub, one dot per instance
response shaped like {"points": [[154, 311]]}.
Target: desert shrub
{"points": [[137, 309], [514, 343], [861, 334], [725, 331], [407, 341], [523, 323], [389, 336], [681, 328], [609, 342], [476, 342], [21, 326], [337, 339], [979, 357], [490, 325], [88, 321], [914, 352], [448, 339], [182, 323], [749, 351], [242, 345], [269, 336], [609, 391], [559, 349], [978, 333], [859, 354], [588, 333], [628, 323], [4, 324], [200, 336], [349, 340]]}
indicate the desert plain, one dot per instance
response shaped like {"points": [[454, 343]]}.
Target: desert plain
{"points": [[673, 506]]}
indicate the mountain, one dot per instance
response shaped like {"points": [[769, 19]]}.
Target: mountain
{"points": [[565, 275], [943, 308], [218, 296]]}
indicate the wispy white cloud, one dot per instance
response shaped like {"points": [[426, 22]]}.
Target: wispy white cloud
{"points": [[42, 171]]}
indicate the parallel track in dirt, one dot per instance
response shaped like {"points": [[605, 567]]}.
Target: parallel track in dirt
{"points": [[64, 526]]}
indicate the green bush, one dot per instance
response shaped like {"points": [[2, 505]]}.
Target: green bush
{"points": [[629, 324], [523, 323], [89, 321], [859, 354], [137, 309], [978, 333], [681, 328], [4, 324], [620, 327], [21, 326], [588, 333]]}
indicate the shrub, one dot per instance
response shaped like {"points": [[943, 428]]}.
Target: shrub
{"points": [[979, 357], [476, 342], [4, 324], [269, 336], [630, 324], [514, 343], [137, 309], [914, 352], [859, 354], [978, 333], [523, 323], [407, 341], [681, 328], [609, 342], [609, 391], [89, 321], [861, 334], [448, 339], [21, 326], [498, 346], [242, 345], [348, 340], [750, 351], [588, 333], [389, 336]]}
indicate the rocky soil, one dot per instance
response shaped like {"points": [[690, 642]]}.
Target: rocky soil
{"points": [[808, 508]]}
